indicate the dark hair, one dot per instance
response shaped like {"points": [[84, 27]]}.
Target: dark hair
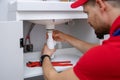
{"points": [[114, 3]]}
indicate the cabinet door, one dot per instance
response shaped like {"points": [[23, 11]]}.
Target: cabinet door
{"points": [[11, 55]]}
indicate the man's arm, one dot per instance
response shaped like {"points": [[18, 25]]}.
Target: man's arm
{"points": [[48, 70], [77, 43], [51, 74]]}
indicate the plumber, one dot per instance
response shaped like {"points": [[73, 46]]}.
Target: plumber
{"points": [[99, 62]]}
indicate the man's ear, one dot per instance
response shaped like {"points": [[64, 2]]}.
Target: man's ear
{"points": [[101, 4]]}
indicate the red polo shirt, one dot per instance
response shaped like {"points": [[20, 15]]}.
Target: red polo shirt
{"points": [[101, 62]]}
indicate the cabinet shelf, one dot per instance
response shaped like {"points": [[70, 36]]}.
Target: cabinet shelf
{"points": [[70, 54]]}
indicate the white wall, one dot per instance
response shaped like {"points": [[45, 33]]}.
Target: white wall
{"points": [[4, 9]]}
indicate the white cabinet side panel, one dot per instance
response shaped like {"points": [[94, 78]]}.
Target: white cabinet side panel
{"points": [[11, 55]]}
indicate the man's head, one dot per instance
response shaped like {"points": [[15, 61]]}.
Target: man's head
{"points": [[100, 14]]}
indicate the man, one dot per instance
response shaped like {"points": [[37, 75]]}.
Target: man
{"points": [[100, 62]]}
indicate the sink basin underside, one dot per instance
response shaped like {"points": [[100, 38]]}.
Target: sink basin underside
{"points": [[50, 22]]}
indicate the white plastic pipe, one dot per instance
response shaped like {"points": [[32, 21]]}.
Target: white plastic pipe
{"points": [[50, 42]]}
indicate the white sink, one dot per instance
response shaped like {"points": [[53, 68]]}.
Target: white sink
{"points": [[42, 10], [37, 5], [50, 24]]}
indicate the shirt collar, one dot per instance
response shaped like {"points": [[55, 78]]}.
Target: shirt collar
{"points": [[115, 26]]}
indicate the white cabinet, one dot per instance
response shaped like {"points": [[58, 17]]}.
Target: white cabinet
{"points": [[11, 55], [13, 60]]}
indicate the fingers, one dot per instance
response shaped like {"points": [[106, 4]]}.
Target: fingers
{"points": [[47, 51], [56, 31], [54, 34], [57, 35]]}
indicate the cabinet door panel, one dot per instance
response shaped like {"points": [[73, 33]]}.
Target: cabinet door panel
{"points": [[11, 55]]}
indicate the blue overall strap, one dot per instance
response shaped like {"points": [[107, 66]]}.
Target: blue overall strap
{"points": [[117, 32]]}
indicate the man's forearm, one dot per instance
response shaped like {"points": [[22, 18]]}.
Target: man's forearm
{"points": [[79, 44], [48, 69]]}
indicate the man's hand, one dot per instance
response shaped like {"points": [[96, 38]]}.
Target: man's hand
{"points": [[47, 51], [59, 36]]}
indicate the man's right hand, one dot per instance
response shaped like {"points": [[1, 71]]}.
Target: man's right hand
{"points": [[59, 36], [83, 46]]}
